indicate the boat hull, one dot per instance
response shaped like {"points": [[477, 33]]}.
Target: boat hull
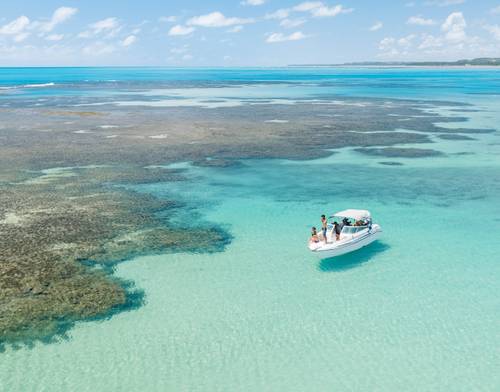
{"points": [[325, 251]]}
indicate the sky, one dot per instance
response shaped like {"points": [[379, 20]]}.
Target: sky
{"points": [[244, 32]]}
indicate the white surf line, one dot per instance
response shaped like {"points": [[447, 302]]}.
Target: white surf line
{"points": [[162, 136], [276, 121]]}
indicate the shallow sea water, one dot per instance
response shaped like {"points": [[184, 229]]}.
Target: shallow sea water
{"points": [[416, 311]]}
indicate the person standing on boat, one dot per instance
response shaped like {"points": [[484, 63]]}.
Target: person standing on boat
{"points": [[337, 229], [324, 227]]}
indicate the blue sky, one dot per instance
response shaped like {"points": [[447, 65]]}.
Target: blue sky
{"points": [[244, 32]]}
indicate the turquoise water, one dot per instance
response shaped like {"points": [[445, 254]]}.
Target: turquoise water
{"points": [[417, 311]]}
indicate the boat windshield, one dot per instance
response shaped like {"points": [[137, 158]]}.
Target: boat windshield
{"points": [[353, 229]]}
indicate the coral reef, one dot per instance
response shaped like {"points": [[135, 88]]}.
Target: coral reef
{"points": [[67, 213], [393, 152], [57, 229]]}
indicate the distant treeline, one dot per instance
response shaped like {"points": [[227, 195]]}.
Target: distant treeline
{"points": [[472, 62]]}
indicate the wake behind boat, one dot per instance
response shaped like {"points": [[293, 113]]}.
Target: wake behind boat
{"points": [[346, 231]]}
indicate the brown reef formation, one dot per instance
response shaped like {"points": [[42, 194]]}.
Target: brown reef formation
{"points": [[61, 230]]}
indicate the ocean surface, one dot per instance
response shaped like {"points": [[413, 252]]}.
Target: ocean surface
{"points": [[418, 310]]}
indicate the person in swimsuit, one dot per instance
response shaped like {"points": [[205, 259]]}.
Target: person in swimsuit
{"points": [[314, 235], [324, 227], [337, 230]]}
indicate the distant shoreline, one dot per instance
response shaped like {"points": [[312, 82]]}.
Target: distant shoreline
{"points": [[486, 62], [393, 66]]}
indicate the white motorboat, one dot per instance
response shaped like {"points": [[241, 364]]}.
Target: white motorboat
{"points": [[356, 231]]}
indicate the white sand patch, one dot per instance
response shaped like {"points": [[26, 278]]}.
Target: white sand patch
{"points": [[11, 219], [83, 131], [49, 175], [162, 136], [276, 121], [62, 246]]}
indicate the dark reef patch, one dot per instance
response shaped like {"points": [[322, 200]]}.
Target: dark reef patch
{"points": [[393, 152], [390, 163], [464, 130], [455, 136]]}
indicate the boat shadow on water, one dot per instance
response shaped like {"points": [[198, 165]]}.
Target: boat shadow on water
{"points": [[354, 259]]}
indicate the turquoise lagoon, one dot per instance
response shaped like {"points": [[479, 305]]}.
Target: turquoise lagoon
{"points": [[417, 311]]}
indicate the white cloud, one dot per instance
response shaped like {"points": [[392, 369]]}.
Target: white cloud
{"points": [[253, 2], [16, 26], [430, 42], [290, 23], [216, 19], [104, 25], [386, 43], [235, 29], [279, 14], [454, 27], [495, 10], [318, 9], [419, 21], [494, 30], [60, 15], [307, 6], [406, 41], [377, 26], [393, 44], [187, 57], [331, 11], [280, 37], [109, 26], [55, 37], [131, 39], [181, 30], [21, 37]]}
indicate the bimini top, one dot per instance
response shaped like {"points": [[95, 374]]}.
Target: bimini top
{"points": [[354, 214]]}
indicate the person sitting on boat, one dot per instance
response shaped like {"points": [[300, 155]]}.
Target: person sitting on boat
{"points": [[337, 229], [314, 235], [345, 222], [324, 227]]}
